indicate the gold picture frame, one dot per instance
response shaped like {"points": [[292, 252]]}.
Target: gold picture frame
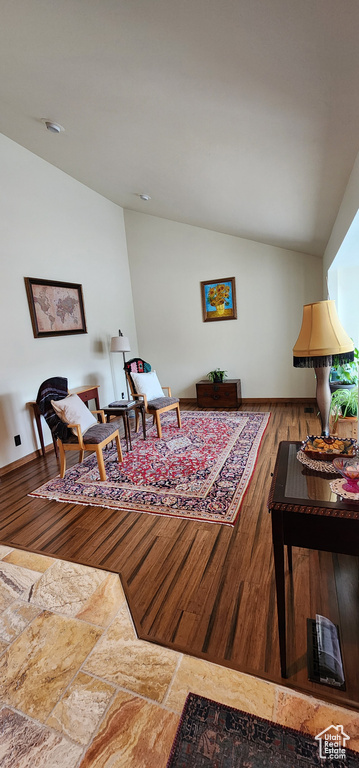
{"points": [[219, 299]]}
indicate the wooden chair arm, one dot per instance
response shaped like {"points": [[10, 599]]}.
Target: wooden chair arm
{"points": [[141, 394], [79, 434], [168, 390], [102, 415]]}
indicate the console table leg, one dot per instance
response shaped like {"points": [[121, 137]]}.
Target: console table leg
{"points": [[278, 550]]}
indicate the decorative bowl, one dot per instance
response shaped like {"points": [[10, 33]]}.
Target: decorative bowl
{"points": [[327, 448], [348, 468]]}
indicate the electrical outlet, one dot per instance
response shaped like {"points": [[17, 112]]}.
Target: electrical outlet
{"points": [[123, 395], [17, 440]]}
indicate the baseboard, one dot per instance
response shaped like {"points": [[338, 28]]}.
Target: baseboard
{"points": [[311, 400], [24, 460], [193, 400]]}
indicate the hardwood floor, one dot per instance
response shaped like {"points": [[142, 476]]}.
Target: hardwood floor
{"points": [[204, 589]]}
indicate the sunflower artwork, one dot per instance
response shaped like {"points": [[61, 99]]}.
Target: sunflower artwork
{"points": [[219, 299]]}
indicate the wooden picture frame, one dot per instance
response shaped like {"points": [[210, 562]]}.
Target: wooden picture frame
{"points": [[219, 299], [56, 309]]}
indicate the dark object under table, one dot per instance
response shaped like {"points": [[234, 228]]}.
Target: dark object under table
{"points": [[223, 394], [306, 513], [122, 408]]}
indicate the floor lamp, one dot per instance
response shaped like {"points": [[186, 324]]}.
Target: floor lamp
{"points": [[322, 342], [121, 343]]}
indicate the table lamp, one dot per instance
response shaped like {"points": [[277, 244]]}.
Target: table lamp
{"points": [[322, 342], [121, 343]]}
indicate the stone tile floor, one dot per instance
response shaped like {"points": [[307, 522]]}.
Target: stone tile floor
{"points": [[78, 689]]}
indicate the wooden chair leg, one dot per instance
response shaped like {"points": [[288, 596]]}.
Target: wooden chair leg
{"points": [[178, 416], [119, 449], [158, 424], [101, 464], [137, 421], [62, 459], [81, 456]]}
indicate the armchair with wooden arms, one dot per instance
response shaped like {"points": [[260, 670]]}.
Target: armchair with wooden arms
{"points": [[52, 400], [152, 394]]}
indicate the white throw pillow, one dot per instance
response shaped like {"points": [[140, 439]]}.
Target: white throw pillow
{"points": [[147, 384], [71, 410]]}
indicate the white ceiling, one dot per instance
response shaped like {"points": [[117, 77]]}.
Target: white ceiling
{"points": [[241, 116]]}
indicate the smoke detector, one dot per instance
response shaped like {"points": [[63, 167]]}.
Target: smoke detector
{"points": [[144, 196], [52, 127]]}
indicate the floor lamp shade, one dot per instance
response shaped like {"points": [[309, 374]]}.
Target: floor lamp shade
{"points": [[120, 344], [321, 337], [322, 342]]}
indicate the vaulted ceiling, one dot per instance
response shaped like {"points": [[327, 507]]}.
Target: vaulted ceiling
{"points": [[241, 116]]}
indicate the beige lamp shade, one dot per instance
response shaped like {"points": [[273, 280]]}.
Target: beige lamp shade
{"points": [[321, 333], [120, 344]]}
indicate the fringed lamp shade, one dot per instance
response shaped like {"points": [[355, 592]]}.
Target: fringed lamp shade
{"points": [[322, 338], [322, 342]]}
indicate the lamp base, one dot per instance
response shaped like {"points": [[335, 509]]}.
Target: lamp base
{"points": [[324, 397]]}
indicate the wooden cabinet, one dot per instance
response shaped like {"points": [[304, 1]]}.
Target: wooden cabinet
{"points": [[226, 394]]}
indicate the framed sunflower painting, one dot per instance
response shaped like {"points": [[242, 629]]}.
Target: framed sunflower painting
{"points": [[219, 299]]}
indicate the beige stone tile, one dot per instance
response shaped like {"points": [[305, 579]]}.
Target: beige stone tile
{"points": [[80, 710], [4, 550], [15, 582], [15, 619], [66, 587], [105, 602], [134, 734], [29, 560], [3, 646], [25, 744], [220, 684], [131, 663], [312, 716], [37, 667]]}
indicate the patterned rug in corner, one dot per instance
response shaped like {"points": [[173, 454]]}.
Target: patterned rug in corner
{"points": [[199, 472], [212, 735]]}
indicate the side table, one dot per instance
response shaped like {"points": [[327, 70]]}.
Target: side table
{"points": [[122, 408]]}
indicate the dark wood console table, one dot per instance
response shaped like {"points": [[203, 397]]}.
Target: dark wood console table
{"points": [[225, 394], [85, 393], [306, 513]]}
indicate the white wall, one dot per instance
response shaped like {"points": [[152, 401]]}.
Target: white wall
{"points": [[55, 228], [167, 262]]}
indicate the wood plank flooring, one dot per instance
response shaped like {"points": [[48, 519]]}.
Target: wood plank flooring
{"points": [[204, 589]]}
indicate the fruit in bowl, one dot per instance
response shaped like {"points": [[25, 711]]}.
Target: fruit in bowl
{"points": [[326, 448], [348, 468]]}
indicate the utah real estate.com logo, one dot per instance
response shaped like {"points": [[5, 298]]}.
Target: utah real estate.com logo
{"points": [[332, 743]]}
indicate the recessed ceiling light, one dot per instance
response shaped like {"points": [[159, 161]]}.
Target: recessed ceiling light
{"points": [[52, 127], [144, 196]]}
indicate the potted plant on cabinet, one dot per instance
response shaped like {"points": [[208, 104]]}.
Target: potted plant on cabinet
{"points": [[217, 376]]}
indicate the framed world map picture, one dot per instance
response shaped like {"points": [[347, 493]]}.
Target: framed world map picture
{"points": [[56, 309]]}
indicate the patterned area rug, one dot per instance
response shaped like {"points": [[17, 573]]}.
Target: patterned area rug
{"points": [[199, 472], [212, 735]]}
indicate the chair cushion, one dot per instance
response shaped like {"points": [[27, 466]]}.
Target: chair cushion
{"points": [[96, 434], [71, 410], [161, 402], [147, 384], [99, 432]]}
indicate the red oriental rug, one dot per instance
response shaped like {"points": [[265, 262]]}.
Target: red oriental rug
{"points": [[199, 472]]}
